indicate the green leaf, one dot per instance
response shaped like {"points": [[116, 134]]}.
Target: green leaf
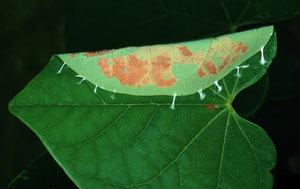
{"points": [[139, 142], [248, 101]]}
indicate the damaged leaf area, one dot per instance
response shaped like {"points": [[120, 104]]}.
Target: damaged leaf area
{"points": [[113, 139], [135, 69], [181, 68]]}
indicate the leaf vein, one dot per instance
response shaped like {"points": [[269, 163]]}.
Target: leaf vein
{"points": [[180, 153], [106, 128], [252, 148], [143, 130], [222, 153]]}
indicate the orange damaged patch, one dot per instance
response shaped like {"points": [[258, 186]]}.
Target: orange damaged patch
{"points": [[133, 61], [185, 51], [239, 48], [201, 73], [119, 70], [210, 67], [137, 69], [161, 68], [226, 63], [73, 55], [105, 67]]}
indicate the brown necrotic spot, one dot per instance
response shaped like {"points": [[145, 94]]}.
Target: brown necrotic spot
{"points": [[201, 73], [105, 67], [185, 51], [239, 48], [226, 63], [137, 69], [161, 71], [210, 67], [117, 67]]}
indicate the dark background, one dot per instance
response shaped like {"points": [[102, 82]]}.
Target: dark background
{"points": [[32, 31]]}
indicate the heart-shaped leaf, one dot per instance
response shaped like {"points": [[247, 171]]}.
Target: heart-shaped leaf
{"points": [[139, 142]]}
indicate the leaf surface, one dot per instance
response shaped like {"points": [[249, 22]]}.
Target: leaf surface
{"points": [[139, 142]]}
